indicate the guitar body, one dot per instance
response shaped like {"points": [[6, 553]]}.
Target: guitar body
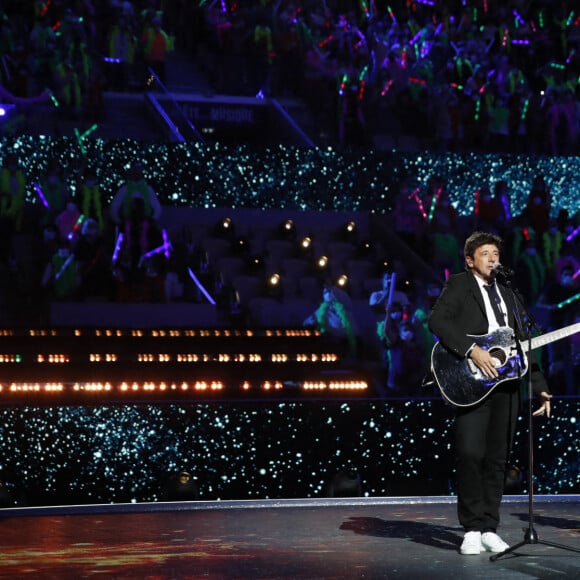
{"points": [[462, 383]]}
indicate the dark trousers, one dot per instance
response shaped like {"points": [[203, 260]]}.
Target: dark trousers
{"points": [[483, 438]]}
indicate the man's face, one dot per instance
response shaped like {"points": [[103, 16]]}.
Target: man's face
{"points": [[484, 258]]}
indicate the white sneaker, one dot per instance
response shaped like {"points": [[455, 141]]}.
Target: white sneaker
{"points": [[471, 544], [493, 543]]}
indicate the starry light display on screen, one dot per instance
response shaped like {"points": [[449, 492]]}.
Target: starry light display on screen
{"points": [[123, 453], [209, 176], [264, 450]]}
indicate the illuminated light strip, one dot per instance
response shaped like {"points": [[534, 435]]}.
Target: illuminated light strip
{"points": [[200, 386], [416, 37], [335, 385], [76, 227], [166, 244], [81, 138], [41, 195], [505, 37], [518, 17], [188, 357], [525, 109], [35, 387], [117, 249], [200, 286], [418, 202], [434, 203], [276, 385], [45, 8], [568, 301], [152, 252], [573, 234], [80, 141], [66, 264], [90, 130], [325, 41], [387, 88]]}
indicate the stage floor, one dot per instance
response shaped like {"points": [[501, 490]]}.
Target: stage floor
{"points": [[412, 537]]}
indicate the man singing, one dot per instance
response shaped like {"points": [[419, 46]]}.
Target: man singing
{"points": [[473, 303]]}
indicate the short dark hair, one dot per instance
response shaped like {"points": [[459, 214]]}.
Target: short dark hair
{"points": [[477, 239]]}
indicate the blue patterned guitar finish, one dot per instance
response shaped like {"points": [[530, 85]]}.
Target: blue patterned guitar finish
{"points": [[462, 383]]}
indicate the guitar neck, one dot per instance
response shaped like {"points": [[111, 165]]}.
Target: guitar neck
{"points": [[549, 337]]}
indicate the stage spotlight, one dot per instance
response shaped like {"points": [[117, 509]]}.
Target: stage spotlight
{"points": [[181, 486], [349, 232], [224, 228], [365, 249], [274, 286], [241, 247], [287, 230], [274, 280], [256, 265], [306, 248], [322, 263], [345, 484], [342, 282]]}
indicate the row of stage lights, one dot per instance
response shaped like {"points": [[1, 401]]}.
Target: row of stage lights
{"points": [[182, 387], [165, 333], [181, 358]]}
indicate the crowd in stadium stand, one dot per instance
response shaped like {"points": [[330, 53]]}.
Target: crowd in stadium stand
{"points": [[484, 76], [491, 76]]}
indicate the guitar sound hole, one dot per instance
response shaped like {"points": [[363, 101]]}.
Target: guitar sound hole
{"points": [[499, 356]]}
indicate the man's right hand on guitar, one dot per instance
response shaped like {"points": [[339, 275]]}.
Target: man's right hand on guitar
{"points": [[483, 361]]}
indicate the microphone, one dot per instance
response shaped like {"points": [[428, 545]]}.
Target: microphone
{"points": [[502, 270]]}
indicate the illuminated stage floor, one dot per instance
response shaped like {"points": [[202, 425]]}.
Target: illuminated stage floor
{"points": [[415, 537]]}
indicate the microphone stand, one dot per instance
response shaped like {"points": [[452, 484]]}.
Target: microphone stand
{"points": [[530, 534]]}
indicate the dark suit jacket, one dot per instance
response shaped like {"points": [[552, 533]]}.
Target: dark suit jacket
{"points": [[460, 310]]}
